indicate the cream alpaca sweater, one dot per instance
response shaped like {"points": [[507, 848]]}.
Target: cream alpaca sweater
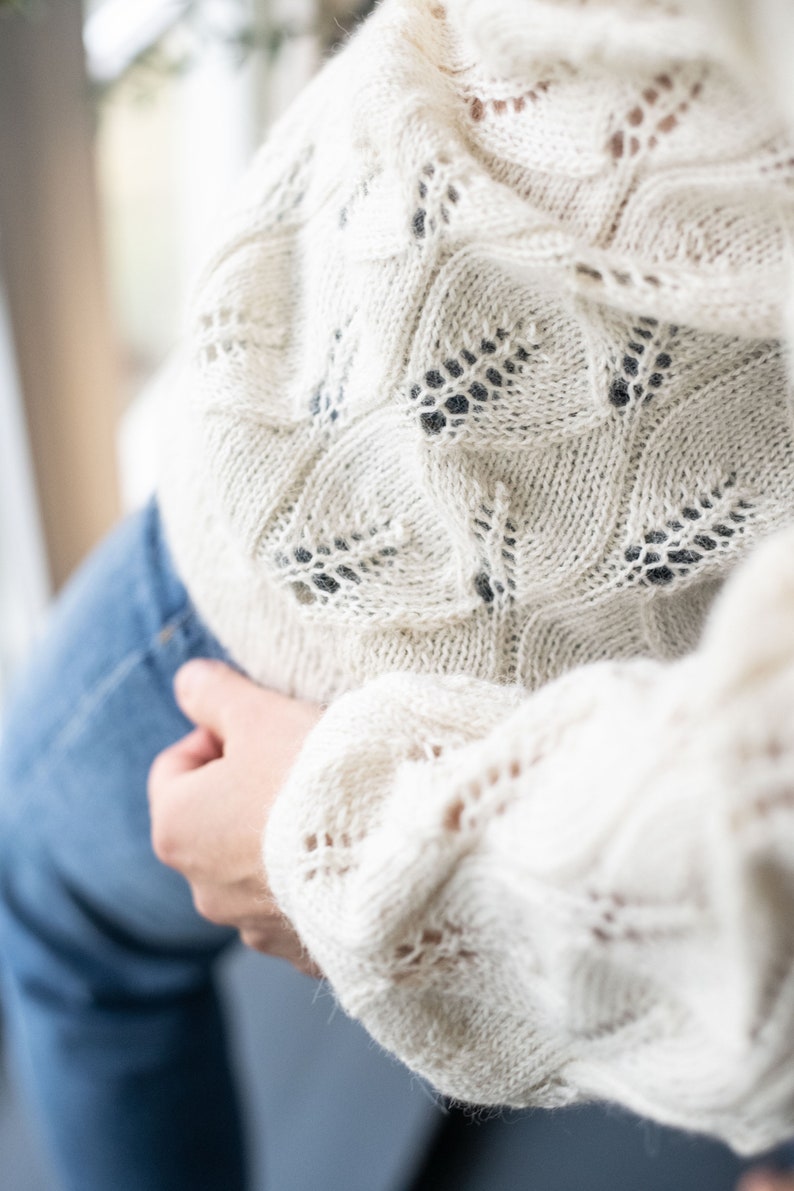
{"points": [[484, 398]]}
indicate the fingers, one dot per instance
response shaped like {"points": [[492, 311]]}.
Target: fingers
{"points": [[766, 1180], [253, 913], [245, 905], [194, 825], [186, 820], [283, 944], [212, 694], [229, 703], [191, 752]]}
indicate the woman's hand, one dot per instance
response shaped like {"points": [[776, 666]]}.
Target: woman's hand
{"points": [[766, 1180], [210, 795]]}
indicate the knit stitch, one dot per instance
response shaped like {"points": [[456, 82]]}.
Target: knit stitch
{"points": [[483, 398]]}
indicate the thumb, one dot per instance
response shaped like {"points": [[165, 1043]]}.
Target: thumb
{"points": [[210, 693]]}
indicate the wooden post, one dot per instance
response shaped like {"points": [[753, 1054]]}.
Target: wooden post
{"points": [[51, 262]]}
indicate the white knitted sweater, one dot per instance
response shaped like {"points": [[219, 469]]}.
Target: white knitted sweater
{"points": [[484, 398]]}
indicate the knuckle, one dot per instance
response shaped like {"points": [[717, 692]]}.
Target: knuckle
{"points": [[165, 844], [153, 781], [254, 939], [161, 764], [209, 906]]}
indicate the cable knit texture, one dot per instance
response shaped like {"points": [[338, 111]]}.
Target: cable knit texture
{"points": [[484, 396]]}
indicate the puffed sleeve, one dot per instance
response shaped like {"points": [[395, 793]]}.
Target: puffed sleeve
{"points": [[586, 892]]}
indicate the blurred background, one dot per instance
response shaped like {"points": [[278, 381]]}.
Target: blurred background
{"points": [[123, 125]]}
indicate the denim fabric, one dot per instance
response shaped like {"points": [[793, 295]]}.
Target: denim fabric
{"points": [[108, 974], [107, 968]]}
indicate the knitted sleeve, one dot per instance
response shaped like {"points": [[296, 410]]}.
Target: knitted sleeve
{"points": [[486, 379], [584, 892]]}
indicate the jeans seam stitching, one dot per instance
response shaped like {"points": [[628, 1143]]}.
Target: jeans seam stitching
{"points": [[99, 693]]}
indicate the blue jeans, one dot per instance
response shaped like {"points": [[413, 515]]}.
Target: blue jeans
{"points": [[108, 973], [107, 968]]}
